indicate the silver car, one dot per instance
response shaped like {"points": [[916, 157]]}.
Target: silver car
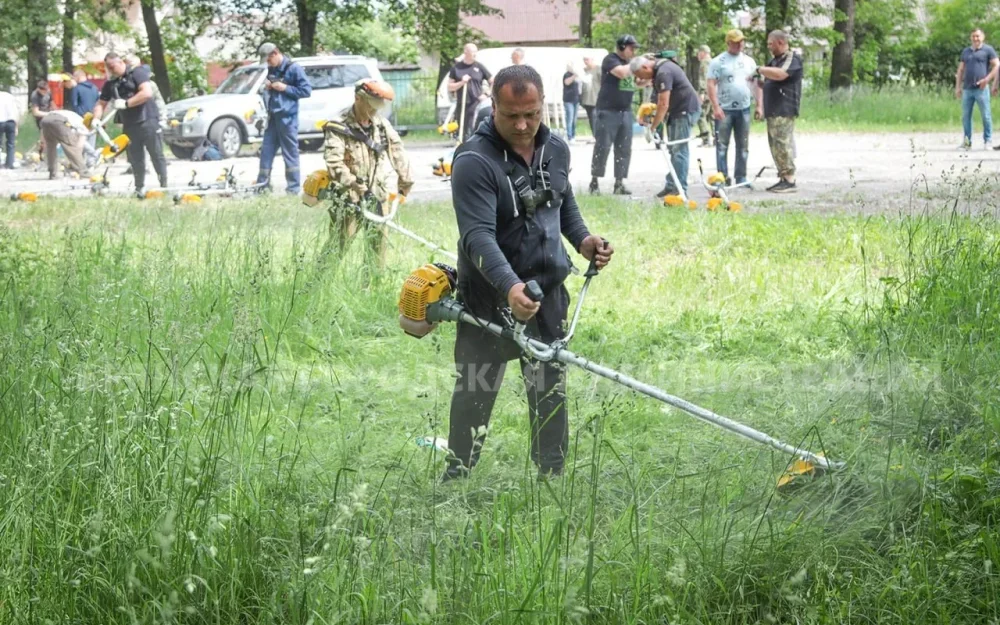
{"points": [[234, 115]]}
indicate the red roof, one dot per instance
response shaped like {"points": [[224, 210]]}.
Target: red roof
{"points": [[528, 21]]}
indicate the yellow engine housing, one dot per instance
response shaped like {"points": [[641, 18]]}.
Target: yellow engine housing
{"points": [[116, 147], [316, 187], [423, 287], [647, 110]]}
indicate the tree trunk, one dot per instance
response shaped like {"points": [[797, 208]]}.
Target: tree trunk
{"points": [[775, 15], [842, 65], [69, 27], [307, 27], [38, 59], [158, 60], [693, 65], [449, 37], [586, 19]]}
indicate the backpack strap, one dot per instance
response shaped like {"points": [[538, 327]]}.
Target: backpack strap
{"points": [[344, 130]]}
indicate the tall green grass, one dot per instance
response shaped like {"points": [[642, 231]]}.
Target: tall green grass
{"points": [[903, 109], [203, 421]]}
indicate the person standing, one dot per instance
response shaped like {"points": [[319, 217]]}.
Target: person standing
{"points": [[732, 87], [782, 85], [468, 74], [508, 238], [614, 116], [677, 102], [40, 103], [571, 100], [356, 148], [129, 92], [64, 128], [9, 116], [705, 130], [591, 84], [285, 85], [977, 70], [517, 57], [84, 94]]}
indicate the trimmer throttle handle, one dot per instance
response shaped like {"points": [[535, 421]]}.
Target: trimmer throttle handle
{"points": [[533, 291], [592, 269]]}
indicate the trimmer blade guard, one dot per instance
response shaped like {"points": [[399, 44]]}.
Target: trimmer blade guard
{"points": [[116, 147]]}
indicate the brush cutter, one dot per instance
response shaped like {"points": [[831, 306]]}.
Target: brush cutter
{"points": [[112, 147], [717, 189], [225, 180], [225, 186], [97, 185], [646, 112], [426, 299]]}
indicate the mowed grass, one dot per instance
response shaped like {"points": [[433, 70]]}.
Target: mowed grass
{"points": [[202, 423]]}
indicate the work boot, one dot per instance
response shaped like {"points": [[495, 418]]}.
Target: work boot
{"points": [[667, 190], [595, 189], [455, 471], [783, 186], [548, 473], [620, 188]]}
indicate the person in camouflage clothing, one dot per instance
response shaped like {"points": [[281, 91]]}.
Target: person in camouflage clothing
{"points": [[705, 121], [782, 84], [356, 149]]}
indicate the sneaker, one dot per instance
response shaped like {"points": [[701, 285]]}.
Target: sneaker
{"points": [[595, 189], [667, 190], [783, 186], [988, 145], [454, 472], [620, 189], [966, 144]]}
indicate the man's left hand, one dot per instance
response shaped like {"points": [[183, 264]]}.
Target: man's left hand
{"points": [[594, 247], [278, 86], [982, 83], [121, 104]]}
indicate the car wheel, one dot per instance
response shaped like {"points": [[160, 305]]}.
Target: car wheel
{"points": [[226, 135], [181, 151], [310, 145]]}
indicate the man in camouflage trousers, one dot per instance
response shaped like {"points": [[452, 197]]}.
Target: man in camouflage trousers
{"points": [[782, 84], [705, 126], [357, 147]]}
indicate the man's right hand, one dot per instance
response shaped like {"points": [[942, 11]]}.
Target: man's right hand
{"points": [[466, 78], [717, 113], [523, 307]]}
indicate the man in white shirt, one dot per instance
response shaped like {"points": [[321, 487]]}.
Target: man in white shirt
{"points": [[9, 115], [732, 88], [64, 128]]}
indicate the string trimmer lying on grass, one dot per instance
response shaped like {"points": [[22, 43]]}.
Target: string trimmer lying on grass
{"points": [[426, 299]]}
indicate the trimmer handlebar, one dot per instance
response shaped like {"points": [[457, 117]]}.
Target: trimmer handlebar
{"points": [[533, 291]]}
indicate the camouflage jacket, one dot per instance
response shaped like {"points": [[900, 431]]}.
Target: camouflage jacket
{"points": [[703, 76], [355, 167]]}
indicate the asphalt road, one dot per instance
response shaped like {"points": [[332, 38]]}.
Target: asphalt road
{"points": [[832, 168]]}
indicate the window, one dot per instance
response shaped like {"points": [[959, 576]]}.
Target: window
{"points": [[354, 73], [324, 77], [240, 81]]}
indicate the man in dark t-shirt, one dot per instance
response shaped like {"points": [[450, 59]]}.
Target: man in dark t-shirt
{"points": [[678, 103], [468, 74], [613, 117], [130, 93], [977, 70], [781, 82]]}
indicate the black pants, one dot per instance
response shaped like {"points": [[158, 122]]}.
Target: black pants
{"points": [[612, 128], [8, 131], [480, 362], [146, 137], [590, 116]]}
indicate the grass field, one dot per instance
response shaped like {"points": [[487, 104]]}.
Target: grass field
{"points": [[200, 424]]}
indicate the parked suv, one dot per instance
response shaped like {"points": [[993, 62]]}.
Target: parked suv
{"points": [[234, 115]]}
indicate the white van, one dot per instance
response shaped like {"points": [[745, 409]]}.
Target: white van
{"points": [[549, 62]]}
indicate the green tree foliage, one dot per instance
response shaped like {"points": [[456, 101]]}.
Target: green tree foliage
{"points": [[373, 38], [438, 26], [933, 58]]}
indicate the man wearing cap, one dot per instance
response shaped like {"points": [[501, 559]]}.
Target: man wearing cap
{"points": [[614, 118], [356, 148], [705, 130], [732, 87], [782, 84], [677, 102], [130, 92], [286, 84]]}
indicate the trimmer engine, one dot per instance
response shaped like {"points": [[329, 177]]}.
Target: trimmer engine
{"points": [[425, 286]]}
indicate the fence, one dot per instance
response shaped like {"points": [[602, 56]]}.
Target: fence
{"points": [[416, 100]]}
